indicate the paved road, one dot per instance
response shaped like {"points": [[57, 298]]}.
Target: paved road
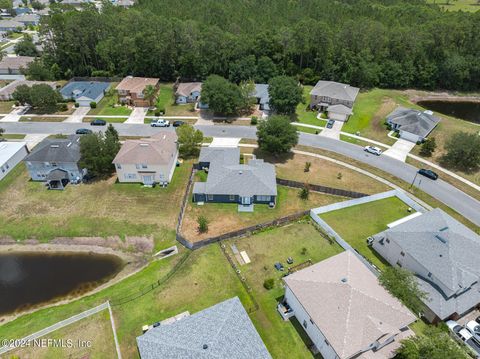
{"points": [[441, 190]]}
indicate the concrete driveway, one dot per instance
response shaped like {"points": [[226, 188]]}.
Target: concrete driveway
{"points": [[77, 115], [400, 149], [15, 115], [333, 132], [138, 115], [34, 139], [225, 142]]}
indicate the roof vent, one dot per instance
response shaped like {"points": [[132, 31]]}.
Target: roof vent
{"points": [[240, 172], [69, 144], [54, 146], [443, 229], [344, 280], [205, 346], [144, 144], [441, 239]]}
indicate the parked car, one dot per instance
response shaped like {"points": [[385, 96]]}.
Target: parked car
{"points": [[178, 123], [160, 122], [478, 320], [373, 150], [290, 260], [428, 173], [474, 328], [98, 122], [464, 335], [330, 123], [278, 266], [83, 131]]}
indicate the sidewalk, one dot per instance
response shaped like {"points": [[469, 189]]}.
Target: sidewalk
{"points": [[78, 115]]}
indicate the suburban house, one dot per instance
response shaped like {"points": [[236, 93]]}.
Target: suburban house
{"points": [[84, 92], [187, 92], [335, 98], [56, 162], [11, 154], [27, 19], [7, 91], [229, 181], [220, 331], [148, 160], [345, 311], [124, 3], [11, 25], [412, 125], [444, 256], [13, 65], [262, 97], [22, 10], [130, 90]]}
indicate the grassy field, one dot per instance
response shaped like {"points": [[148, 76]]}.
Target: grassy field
{"points": [[106, 105], [224, 217], [264, 249], [457, 5], [42, 119], [95, 329], [6, 106], [12, 136], [355, 224], [102, 208], [166, 100]]}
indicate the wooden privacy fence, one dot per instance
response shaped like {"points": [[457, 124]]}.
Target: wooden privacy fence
{"points": [[322, 189]]}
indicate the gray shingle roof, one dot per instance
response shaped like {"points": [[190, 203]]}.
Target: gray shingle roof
{"points": [[56, 150], [335, 90], [221, 331], [413, 121], [449, 251], [84, 89], [261, 93], [225, 155]]}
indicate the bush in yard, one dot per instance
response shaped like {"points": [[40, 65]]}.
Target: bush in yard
{"points": [[77, 104], [202, 224], [428, 147], [304, 251], [339, 175], [93, 104], [1, 131], [276, 135], [307, 166], [304, 192], [269, 283], [62, 107], [463, 152], [254, 120]]}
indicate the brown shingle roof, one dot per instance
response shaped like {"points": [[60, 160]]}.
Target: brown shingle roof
{"points": [[186, 88], [349, 306], [15, 63], [136, 84]]}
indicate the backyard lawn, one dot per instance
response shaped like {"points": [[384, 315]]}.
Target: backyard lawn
{"points": [[166, 100], [106, 106], [299, 240], [102, 208], [355, 224], [304, 114]]}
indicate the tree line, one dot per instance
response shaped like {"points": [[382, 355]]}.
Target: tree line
{"points": [[367, 43]]}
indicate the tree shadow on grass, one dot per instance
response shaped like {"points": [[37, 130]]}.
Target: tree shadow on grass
{"points": [[274, 159]]}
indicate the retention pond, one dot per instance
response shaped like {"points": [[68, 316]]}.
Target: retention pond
{"points": [[465, 110]]}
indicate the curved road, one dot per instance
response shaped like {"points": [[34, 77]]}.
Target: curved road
{"points": [[441, 190]]}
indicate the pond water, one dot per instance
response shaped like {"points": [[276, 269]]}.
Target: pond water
{"points": [[465, 110], [31, 279]]}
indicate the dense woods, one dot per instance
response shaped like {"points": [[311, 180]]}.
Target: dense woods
{"points": [[387, 43]]}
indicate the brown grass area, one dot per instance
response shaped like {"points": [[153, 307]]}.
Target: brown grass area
{"points": [[224, 217], [95, 330]]}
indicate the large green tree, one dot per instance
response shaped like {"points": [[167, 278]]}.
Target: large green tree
{"points": [[26, 47], [463, 152], [221, 96], [285, 94], [40, 96], [276, 135], [189, 141]]}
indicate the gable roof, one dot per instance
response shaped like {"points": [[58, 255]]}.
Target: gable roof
{"points": [[9, 89], [85, 90], [348, 305], [413, 121], [340, 109], [186, 88], [160, 149], [225, 155], [335, 90], [56, 150], [221, 331], [15, 62], [136, 84], [8, 149]]}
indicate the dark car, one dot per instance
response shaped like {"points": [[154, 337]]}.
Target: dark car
{"points": [[177, 123], [330, 123], [98, 122], [428, 173], [83, 131], [279, 266], [478, 320]]}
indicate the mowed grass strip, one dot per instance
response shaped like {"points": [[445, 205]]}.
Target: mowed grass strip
{"points": [[355, 224]]}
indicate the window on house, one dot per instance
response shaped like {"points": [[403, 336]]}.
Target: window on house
{"points": [[130, 176], [399, 264], [429, 275], [263, 198], [119, 166], [137, 166], [305, 324], [54, 164], [387, 240], [231, 197], [402, 253], [144, 165], [46, 164], [311, 321], [210, 197], [7, 166]]}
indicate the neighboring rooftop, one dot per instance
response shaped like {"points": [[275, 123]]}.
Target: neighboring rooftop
{"points": [[56, 150], [261, 93], [346, 302], [335, 90], [88, 90], [9, 89], [186, 88], [413, 121], [15, 62], [10, 24], [27, 18], [8, 149], [449, 251], [157, 150], [221, 331], [225, 155], [136, 84]]}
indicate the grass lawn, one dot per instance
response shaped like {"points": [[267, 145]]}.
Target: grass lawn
{"points": [[42, 119], [95, 329], [106, 105], [355, 224], [166, 100], [264, 249], [6, 106], [224, 217], [102, 208], [326, 173], [304, 114], [457, 5], [313, 131], [12, 136]]}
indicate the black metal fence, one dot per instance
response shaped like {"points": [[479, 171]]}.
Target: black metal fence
{"points": [[322, 189]]}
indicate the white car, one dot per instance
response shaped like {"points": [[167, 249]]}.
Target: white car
{"points": [[160, 122], [464, 335], [373, 150], [474, 328]]}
